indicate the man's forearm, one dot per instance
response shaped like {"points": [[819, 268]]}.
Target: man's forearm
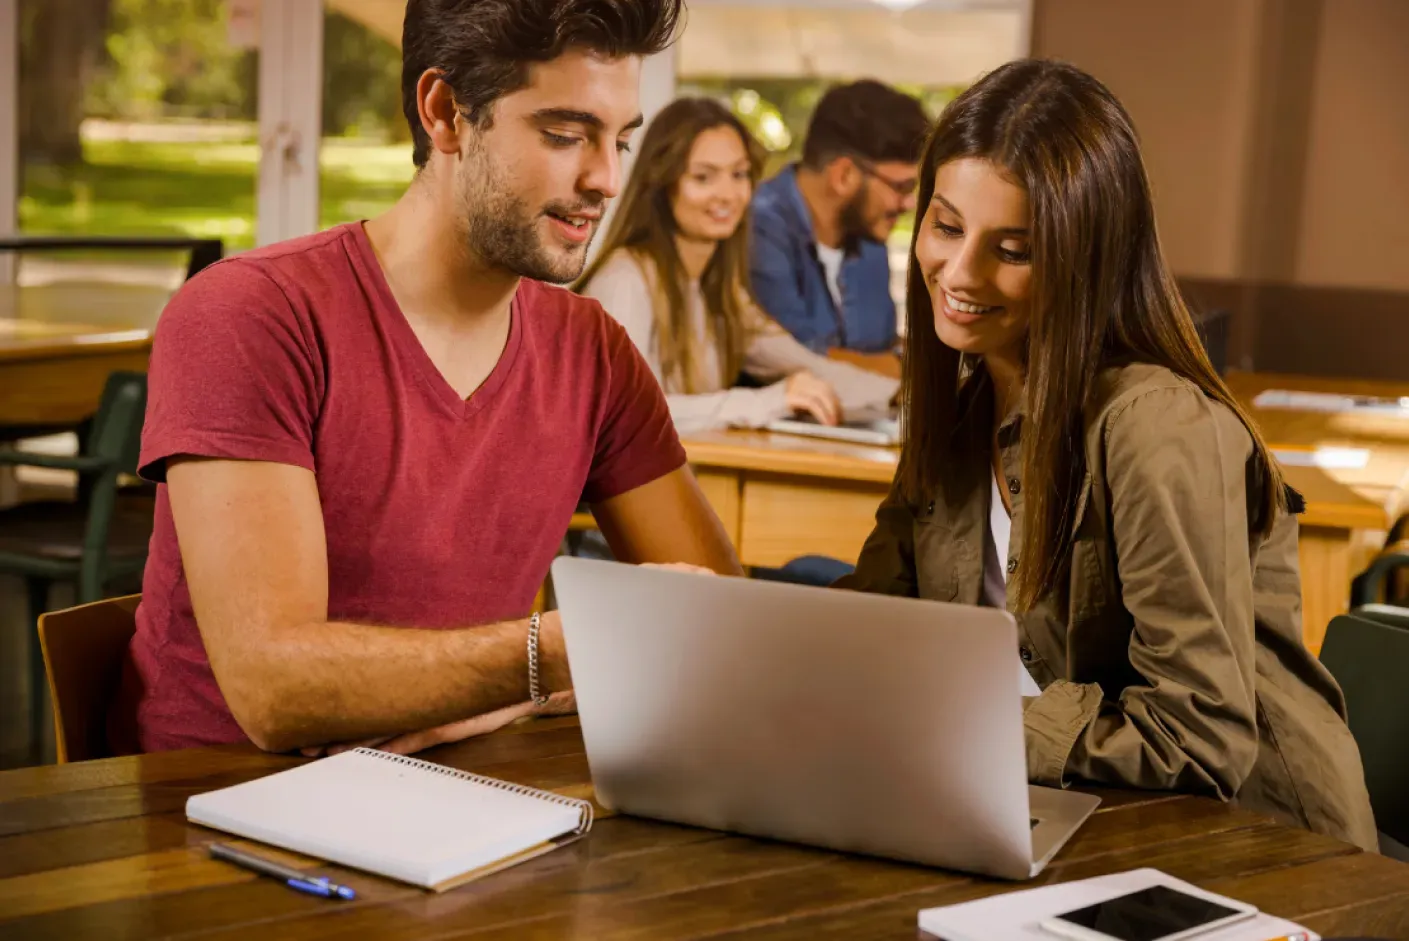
{"points": [[317, 683]]}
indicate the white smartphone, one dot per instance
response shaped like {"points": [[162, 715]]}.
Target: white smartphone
{"points": [[1158, 913]]}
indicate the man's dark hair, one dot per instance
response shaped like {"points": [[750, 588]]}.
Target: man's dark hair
{"points": [[484, 47], [865, 119]]}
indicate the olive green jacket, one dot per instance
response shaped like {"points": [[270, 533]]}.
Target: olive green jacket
{"points": [[1170, 656]]}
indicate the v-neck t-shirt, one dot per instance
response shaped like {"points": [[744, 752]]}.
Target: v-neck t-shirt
{"points": [[439, 511]]}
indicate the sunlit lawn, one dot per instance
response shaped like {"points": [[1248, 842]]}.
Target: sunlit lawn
{"points": [[204, 189]]}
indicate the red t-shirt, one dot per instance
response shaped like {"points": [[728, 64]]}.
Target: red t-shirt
{"points": [[439, 511]]}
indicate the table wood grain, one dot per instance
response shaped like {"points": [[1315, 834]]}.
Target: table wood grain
{"points": [[59, 343], [781, 496], [1289, 426], [102, 850]]}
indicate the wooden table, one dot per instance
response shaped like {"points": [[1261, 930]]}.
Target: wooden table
{"points": [[58, 343], [102, 850], [782, 496], [1348, 510]]}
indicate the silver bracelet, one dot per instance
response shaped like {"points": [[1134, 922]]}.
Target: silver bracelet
{"points": [[533, 691]]}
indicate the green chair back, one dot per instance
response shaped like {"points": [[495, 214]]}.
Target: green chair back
{"points": [[1369, 658], [116, 434], [116, 437]]}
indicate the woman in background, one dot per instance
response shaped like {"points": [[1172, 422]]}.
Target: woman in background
{"points": [[1056, 391], [673, 271]]}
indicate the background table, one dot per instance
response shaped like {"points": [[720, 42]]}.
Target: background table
{"points": [[58, 343], [1349, 510], [782, 496], [101, 849]]}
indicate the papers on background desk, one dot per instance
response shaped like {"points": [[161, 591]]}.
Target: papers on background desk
{"points": [[1014, 916], [1325, 458], [1332, 402], [882, 432]]}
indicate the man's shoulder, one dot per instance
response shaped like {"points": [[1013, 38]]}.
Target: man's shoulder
{"points": [[774, 204], [573, 335], [777, 187], [291, 256], [873, 254], [282, 291], [271, 271], [557, 311]]}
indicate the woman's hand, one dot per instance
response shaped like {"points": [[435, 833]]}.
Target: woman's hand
{"points": [[806, 393], [679, 567]]}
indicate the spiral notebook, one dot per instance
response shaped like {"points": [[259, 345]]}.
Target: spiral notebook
{"points": [[398, 817]]}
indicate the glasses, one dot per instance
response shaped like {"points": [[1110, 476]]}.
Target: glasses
{"points": [[902, 188]]}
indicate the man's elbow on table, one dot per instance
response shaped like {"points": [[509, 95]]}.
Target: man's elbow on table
{"points": [[273, 705]]}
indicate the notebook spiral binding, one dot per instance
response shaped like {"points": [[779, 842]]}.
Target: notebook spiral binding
{"points": [[584, 808]]}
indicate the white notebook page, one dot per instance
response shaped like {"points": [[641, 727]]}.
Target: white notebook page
{"points": [[376, 812]]}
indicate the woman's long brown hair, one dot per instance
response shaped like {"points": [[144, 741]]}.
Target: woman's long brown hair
{"points": [[1102, 294], [644, 224]]}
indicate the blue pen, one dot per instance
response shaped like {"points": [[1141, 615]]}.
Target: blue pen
{"points": [[291, 877]]}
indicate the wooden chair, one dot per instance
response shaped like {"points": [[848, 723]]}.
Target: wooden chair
{"points": [[83, 653], [1215, 328]]}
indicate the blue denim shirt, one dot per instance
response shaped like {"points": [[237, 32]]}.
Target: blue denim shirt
{"points": [[790, 285]]}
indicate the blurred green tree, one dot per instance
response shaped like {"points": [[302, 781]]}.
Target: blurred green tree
{"points": [[61, 46], [150, 60], [361, 82], [172, 58]]}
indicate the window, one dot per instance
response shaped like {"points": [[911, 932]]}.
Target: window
{"points": [[365, 154], [137, 117]]}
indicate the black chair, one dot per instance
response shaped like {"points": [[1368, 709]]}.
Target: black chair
{"points": [[204, 252], [91, 541], [1213, 327], [1386, 578], [1367, 651]]}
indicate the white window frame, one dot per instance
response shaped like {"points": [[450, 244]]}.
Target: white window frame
{"points": [[9, 132], [290, 118]]}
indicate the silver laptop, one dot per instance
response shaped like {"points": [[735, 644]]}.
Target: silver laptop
{"points": [[883, 432], [863, 723]]}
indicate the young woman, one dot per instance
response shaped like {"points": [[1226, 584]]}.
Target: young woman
{"points": [[673, 271], [1071, 454]]}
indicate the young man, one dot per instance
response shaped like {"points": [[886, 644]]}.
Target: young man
{"points": [[372, 438], [819, 228]]}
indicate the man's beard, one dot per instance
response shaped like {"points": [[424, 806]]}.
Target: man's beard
{"points": [[854, 226], [501, 230]]}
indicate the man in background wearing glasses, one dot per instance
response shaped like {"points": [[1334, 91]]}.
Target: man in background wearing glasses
{"points": [[819, 265]]}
